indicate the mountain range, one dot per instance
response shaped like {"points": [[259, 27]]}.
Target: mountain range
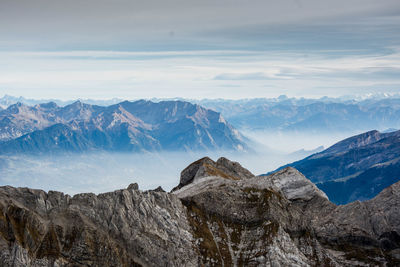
{"points": [[324, 115], [219, 215], [126, 126], [357, 168], [8, 100]]}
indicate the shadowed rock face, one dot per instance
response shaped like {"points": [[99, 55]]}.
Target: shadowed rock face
{"points": [[219, 216], [121, 228]]}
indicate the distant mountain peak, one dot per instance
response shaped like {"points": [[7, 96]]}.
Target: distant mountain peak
{"points": [[78, 104], [15, 108], [128, 126]]}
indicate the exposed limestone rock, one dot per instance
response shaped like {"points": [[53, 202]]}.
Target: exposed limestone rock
{"points": [[133, 186], [221, 215], [120, 228], [233, 168], [206, 167], [292, 184], [366, 226], [303, 213], [159, 189]]}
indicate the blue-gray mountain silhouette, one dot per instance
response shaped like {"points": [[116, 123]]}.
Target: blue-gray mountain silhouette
{"points": [[356, 168], [127, 126]]}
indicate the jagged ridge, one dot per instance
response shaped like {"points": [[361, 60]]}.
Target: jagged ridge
{"points": [[280, 219], [127, 126]]}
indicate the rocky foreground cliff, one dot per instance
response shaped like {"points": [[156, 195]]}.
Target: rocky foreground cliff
{"points": [[219, 215]]}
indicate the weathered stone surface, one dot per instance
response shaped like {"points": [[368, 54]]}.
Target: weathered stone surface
{"points": [[159, 189], [371, 228], [133, 186], [120, 228], [220, 216], [206, 167], [293, 184]]}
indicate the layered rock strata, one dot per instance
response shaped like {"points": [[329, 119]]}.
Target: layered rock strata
{"points": [[219, 215]]}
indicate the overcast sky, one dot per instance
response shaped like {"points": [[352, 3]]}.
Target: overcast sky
{"points": [[198, 49]]}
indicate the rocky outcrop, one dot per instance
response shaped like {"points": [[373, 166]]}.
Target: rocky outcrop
{"points": [[121, 228], [206, 167], [293, 184], [221, 215], [371, 228]]}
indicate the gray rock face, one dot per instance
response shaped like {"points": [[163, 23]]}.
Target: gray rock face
{"points": [[121, 228], [293, 185], [133, 186], [206, 167], [276, 220], [369, 225]]}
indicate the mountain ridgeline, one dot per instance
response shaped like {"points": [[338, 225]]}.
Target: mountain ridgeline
{"points": [[126, 126], [219, 215], [357, 168], [325, 115]]}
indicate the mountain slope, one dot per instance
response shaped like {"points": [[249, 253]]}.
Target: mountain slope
{"points": [[127, 126], [58, 137], [277, 220], [356, 168]]}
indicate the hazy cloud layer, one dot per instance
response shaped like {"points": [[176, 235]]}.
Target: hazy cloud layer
{"points": [[105, 24], [197, 74], [242, 76], [103, 171], [196, 49]]}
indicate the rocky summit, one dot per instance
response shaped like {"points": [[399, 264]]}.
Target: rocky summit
{"points": [[219, 215]]}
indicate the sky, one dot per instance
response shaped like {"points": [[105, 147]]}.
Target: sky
{"points": [[233, 49]]}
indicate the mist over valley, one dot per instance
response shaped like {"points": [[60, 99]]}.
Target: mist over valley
{"points": [[89, 148]]}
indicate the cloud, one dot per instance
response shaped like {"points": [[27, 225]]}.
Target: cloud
{"points": [[196, 74], [241, 76], [207, 24], [125, 55]]}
